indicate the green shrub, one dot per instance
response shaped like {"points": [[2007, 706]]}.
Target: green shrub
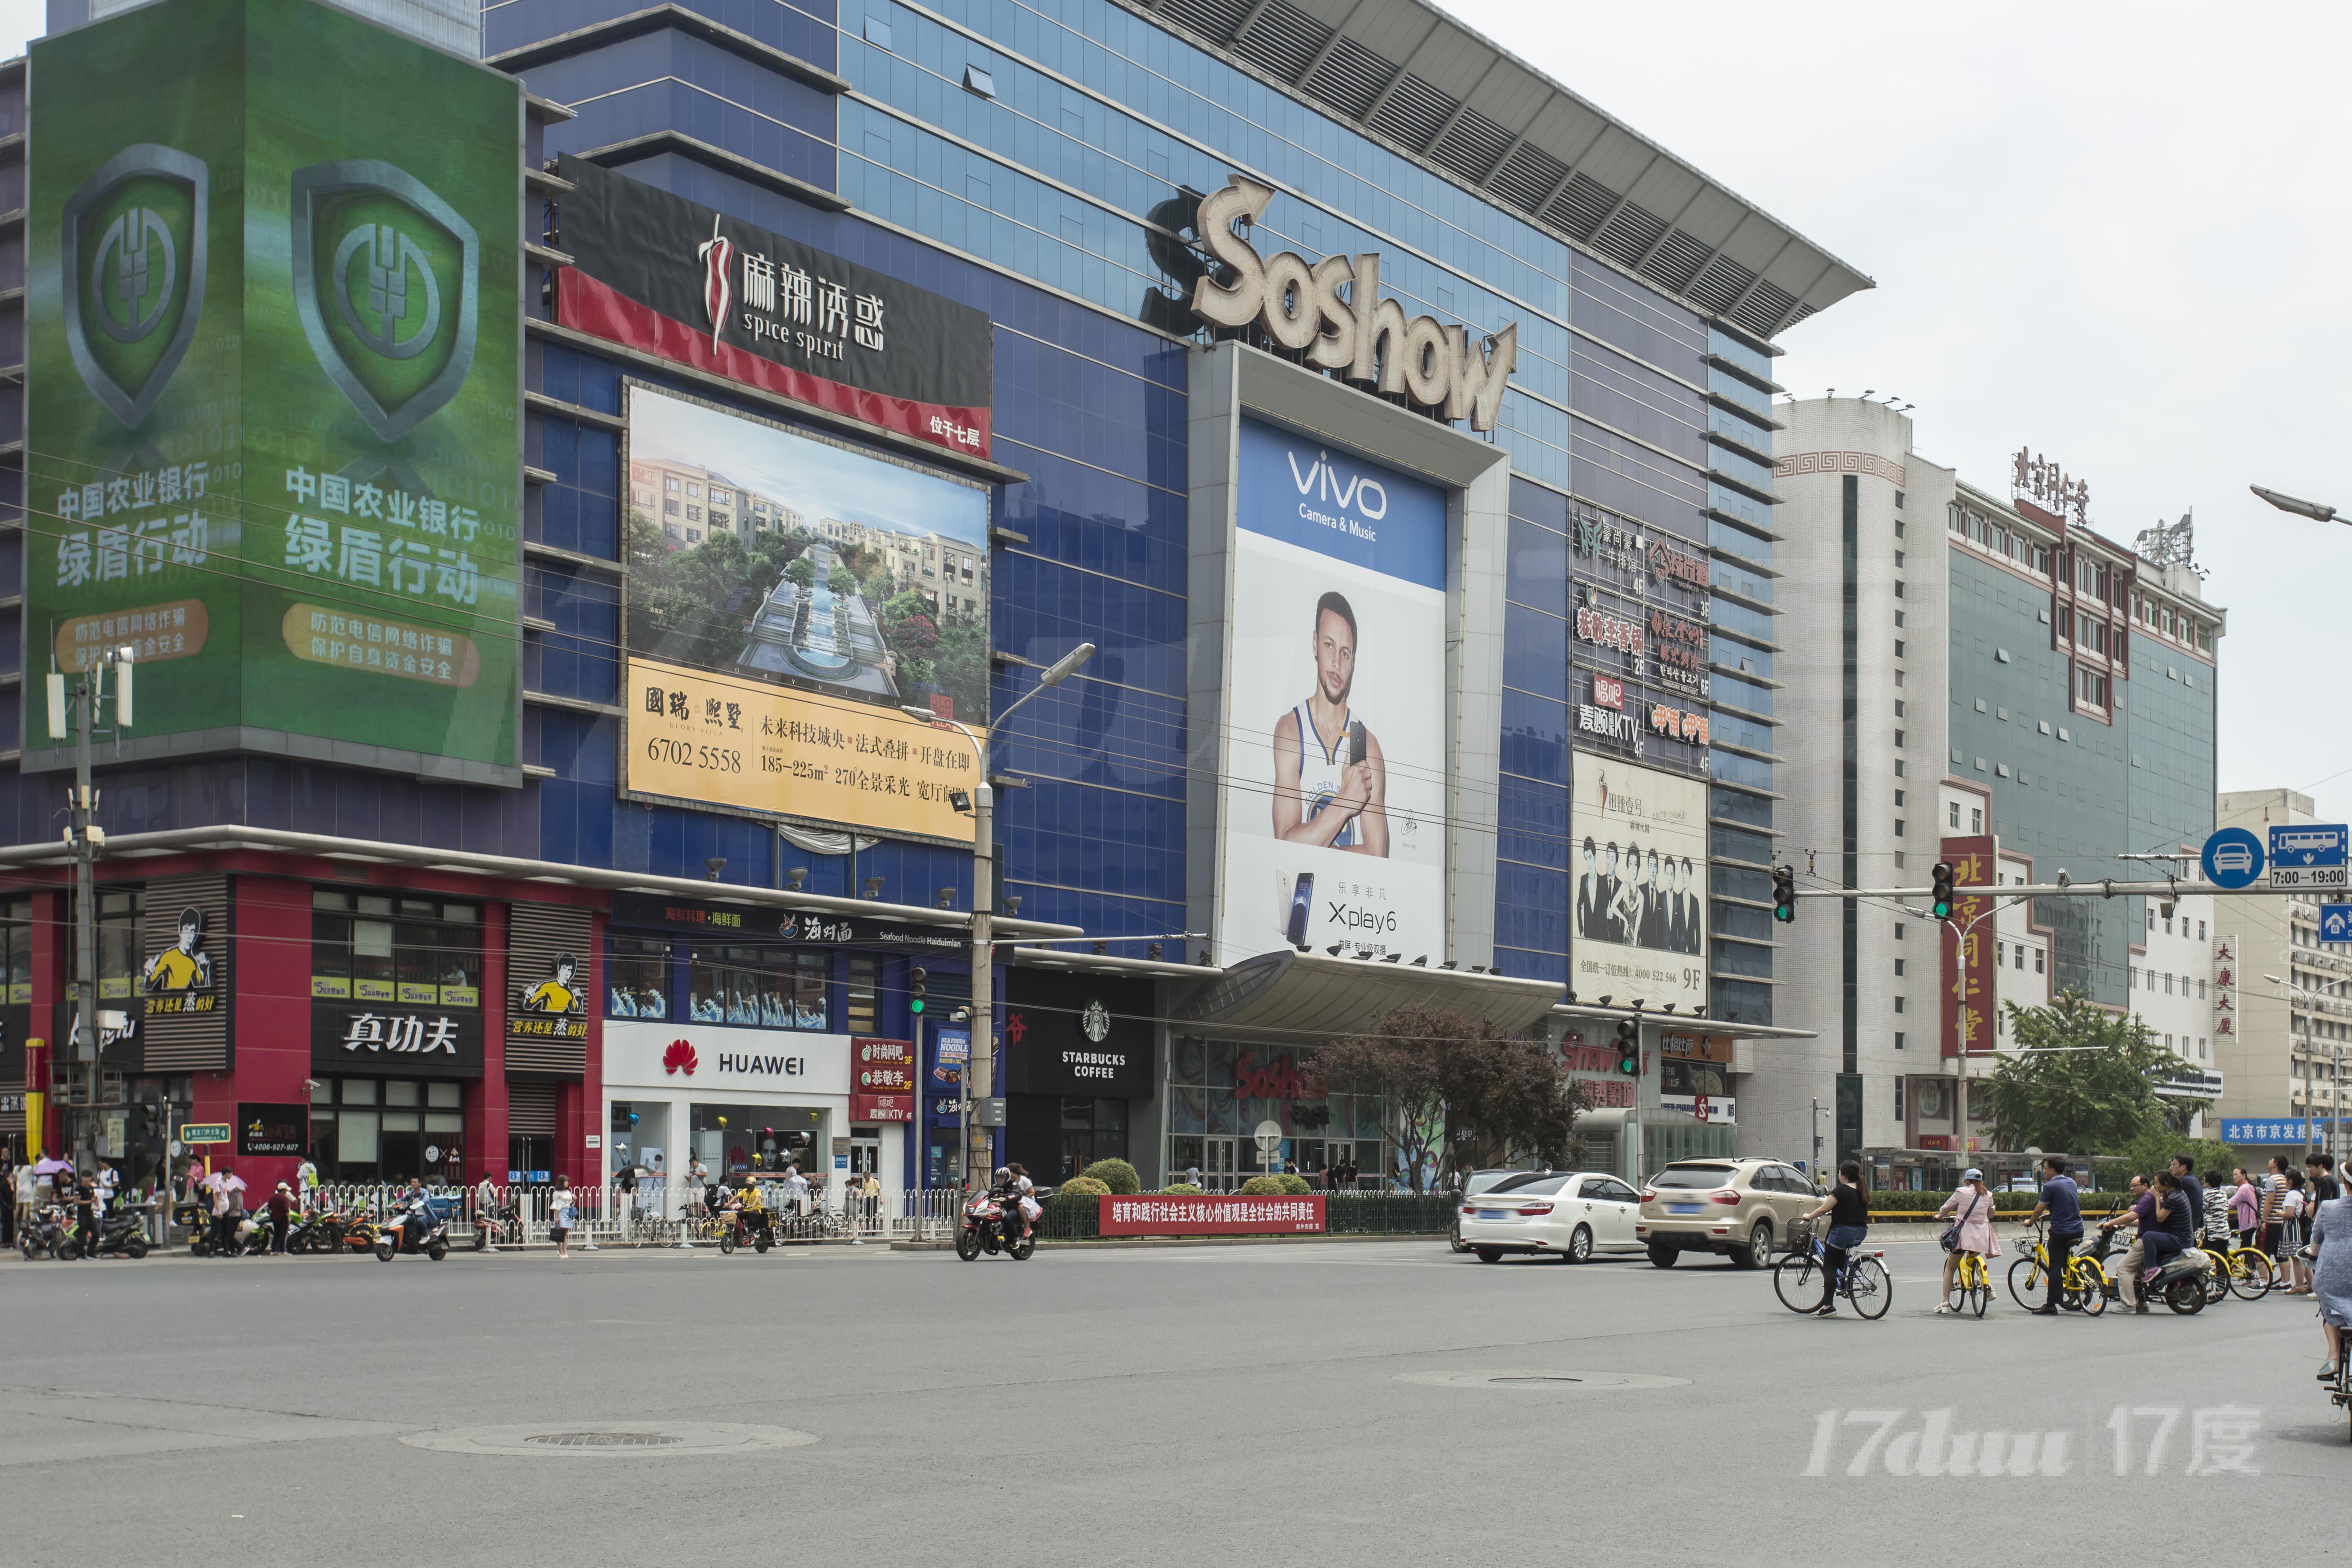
{"points": [[1116, 1176], [1296, 1187], [1263, 1187], [1181, 1190], [1082, 1187]]}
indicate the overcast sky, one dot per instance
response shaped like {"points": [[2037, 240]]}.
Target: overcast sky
{"points": [[2116, 234], [2111, 232]]}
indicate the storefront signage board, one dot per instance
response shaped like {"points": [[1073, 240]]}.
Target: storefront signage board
{"points": [[710, 1060], [755, 922], [388, 1040]]}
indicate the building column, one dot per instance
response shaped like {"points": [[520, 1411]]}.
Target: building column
{"points": [[269, 1060], [486, 1109]]}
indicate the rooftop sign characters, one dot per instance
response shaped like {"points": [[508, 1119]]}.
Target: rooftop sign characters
{"points": [[2038, 480], [1367, 339]]}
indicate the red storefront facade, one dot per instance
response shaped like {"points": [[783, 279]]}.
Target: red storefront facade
{"points": [[369, 1015]]}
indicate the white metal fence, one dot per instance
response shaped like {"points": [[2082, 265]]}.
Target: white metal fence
{"points": [[656, 1212]]}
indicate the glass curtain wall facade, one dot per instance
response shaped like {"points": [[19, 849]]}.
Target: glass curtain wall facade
{"points": [[1023, 158]]}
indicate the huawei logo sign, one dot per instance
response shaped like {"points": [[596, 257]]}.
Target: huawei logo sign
{"points": [[717, 294], [679, 1057]]}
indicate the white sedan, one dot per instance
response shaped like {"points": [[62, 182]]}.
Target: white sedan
{"points": [[1570, 1214]]}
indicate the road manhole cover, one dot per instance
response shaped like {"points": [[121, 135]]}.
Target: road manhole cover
{"points": [[645, 1439], [1555, 1382]]}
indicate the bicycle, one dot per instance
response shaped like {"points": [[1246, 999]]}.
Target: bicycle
{"points": [[2085, 1289], [2243, 1271], [1971, 1284], [1866, 1282]]}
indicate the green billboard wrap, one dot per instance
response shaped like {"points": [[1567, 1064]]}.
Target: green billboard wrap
{"points": [[274, 433]]}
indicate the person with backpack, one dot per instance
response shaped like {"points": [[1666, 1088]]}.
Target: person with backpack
{"points": [[1971, 1231]]}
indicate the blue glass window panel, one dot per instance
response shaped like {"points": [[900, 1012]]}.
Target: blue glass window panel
{"points": [[1539, 571], [1535, 736]]}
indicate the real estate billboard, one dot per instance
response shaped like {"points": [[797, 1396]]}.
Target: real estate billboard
{"points": [[788, 594], [1334, 805], [1640, 840], [274, 430]]}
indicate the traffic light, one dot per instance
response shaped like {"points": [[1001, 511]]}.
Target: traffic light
{"points": [[915, 978], [1943, 906], [1784, 894], [1629, 1046]]}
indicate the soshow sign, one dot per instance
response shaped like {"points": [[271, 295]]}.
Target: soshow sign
{"points": [[1335, 794], [274, 437]]}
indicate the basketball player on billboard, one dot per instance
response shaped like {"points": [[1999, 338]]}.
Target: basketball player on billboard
{"points": [[1330, 777]]}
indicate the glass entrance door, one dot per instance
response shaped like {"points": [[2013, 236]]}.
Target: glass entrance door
{"points": [[1220, 1172]]}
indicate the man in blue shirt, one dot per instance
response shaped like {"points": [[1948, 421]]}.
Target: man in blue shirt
{"points": [[2062, 1203]]}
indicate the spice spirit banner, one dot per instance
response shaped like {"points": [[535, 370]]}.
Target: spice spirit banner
{"points": [[274, 286]]}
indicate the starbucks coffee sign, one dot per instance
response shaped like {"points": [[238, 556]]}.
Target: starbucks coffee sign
{"points": [[1367, 339]]}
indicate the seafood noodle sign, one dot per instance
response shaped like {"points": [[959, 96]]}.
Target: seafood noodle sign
{"points": [[1210, 1214]]}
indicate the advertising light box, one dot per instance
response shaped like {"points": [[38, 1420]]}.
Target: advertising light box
{"points": [[788, 596], [1335, 798], [1640, 838], [274, 305]]}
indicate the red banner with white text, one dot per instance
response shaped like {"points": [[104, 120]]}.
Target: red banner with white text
{"points": [[1153, 1214]]}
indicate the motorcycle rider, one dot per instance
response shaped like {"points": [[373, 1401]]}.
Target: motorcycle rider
{"points": [[1004, 1191], [755, 1211], [2142, 1213], [417, 1218]]}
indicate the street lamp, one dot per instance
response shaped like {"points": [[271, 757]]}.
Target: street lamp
{"points": [[979, 1068], [2295, 504]]}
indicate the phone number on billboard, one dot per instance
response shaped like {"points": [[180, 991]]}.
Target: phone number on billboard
{"points": [[686, 754]]}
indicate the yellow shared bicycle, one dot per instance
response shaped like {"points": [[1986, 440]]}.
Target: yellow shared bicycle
{"points": [[2085, 1289], [1971, 1284]]}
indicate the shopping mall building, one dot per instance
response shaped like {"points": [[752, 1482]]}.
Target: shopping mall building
{"points": [[534, 480]]}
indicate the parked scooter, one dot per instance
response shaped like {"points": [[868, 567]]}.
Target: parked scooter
{"points": [[123, 1233], [501, 1227], [46, 1231], [416, 1227]]}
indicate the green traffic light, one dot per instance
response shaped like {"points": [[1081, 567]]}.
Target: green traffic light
{"points": [[915, 1004]]}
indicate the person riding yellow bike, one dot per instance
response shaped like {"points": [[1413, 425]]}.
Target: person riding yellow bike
{"points": [[1971, 1207], [755, 1212]]}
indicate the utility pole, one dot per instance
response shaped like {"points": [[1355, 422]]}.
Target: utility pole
{"points": [[84, 838], [979, 1069]]}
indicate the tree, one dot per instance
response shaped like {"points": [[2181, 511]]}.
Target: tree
{"points": [[2083, 1081], [803, 572], [1459, 1094]]}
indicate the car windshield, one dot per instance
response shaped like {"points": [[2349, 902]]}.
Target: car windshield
{"points": [[1531, 1184], [1693, 1176]]}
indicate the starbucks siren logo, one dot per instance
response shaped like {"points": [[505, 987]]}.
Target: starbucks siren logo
{"points": [[385, 284], [132, 265]]}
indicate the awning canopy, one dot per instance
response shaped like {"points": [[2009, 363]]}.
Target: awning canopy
{"points": [[230, 838], [1290, 995]]}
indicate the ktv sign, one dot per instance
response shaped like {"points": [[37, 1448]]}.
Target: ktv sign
{"points": [[1367, 339]]}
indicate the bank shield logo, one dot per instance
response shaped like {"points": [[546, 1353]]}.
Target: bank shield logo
{"points": [[133, 265], [385, 283]]}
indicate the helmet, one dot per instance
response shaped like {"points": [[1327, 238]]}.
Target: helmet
{"points": [[1002, 1174]]}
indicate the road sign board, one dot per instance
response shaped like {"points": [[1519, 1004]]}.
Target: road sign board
{"points": [[2308, 855], [2336, 922], [2232, 859], [205, 1133]]}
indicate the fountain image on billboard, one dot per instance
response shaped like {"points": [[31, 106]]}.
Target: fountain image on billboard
{"points": [[763, 553]]}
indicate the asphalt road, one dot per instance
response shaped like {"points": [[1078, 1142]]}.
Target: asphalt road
{"points": [[1300, 1402]]}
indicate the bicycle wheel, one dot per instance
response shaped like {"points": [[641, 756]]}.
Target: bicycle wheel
{"points": [[2087, 1290], [2025, 1281], [2250, 1274], [1866, 1283], [1980, 1292], [2216, 1277], [1797, 1282]]}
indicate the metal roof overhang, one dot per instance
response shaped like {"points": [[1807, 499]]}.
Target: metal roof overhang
{"points": [[1289, 996], [230, 838]]}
